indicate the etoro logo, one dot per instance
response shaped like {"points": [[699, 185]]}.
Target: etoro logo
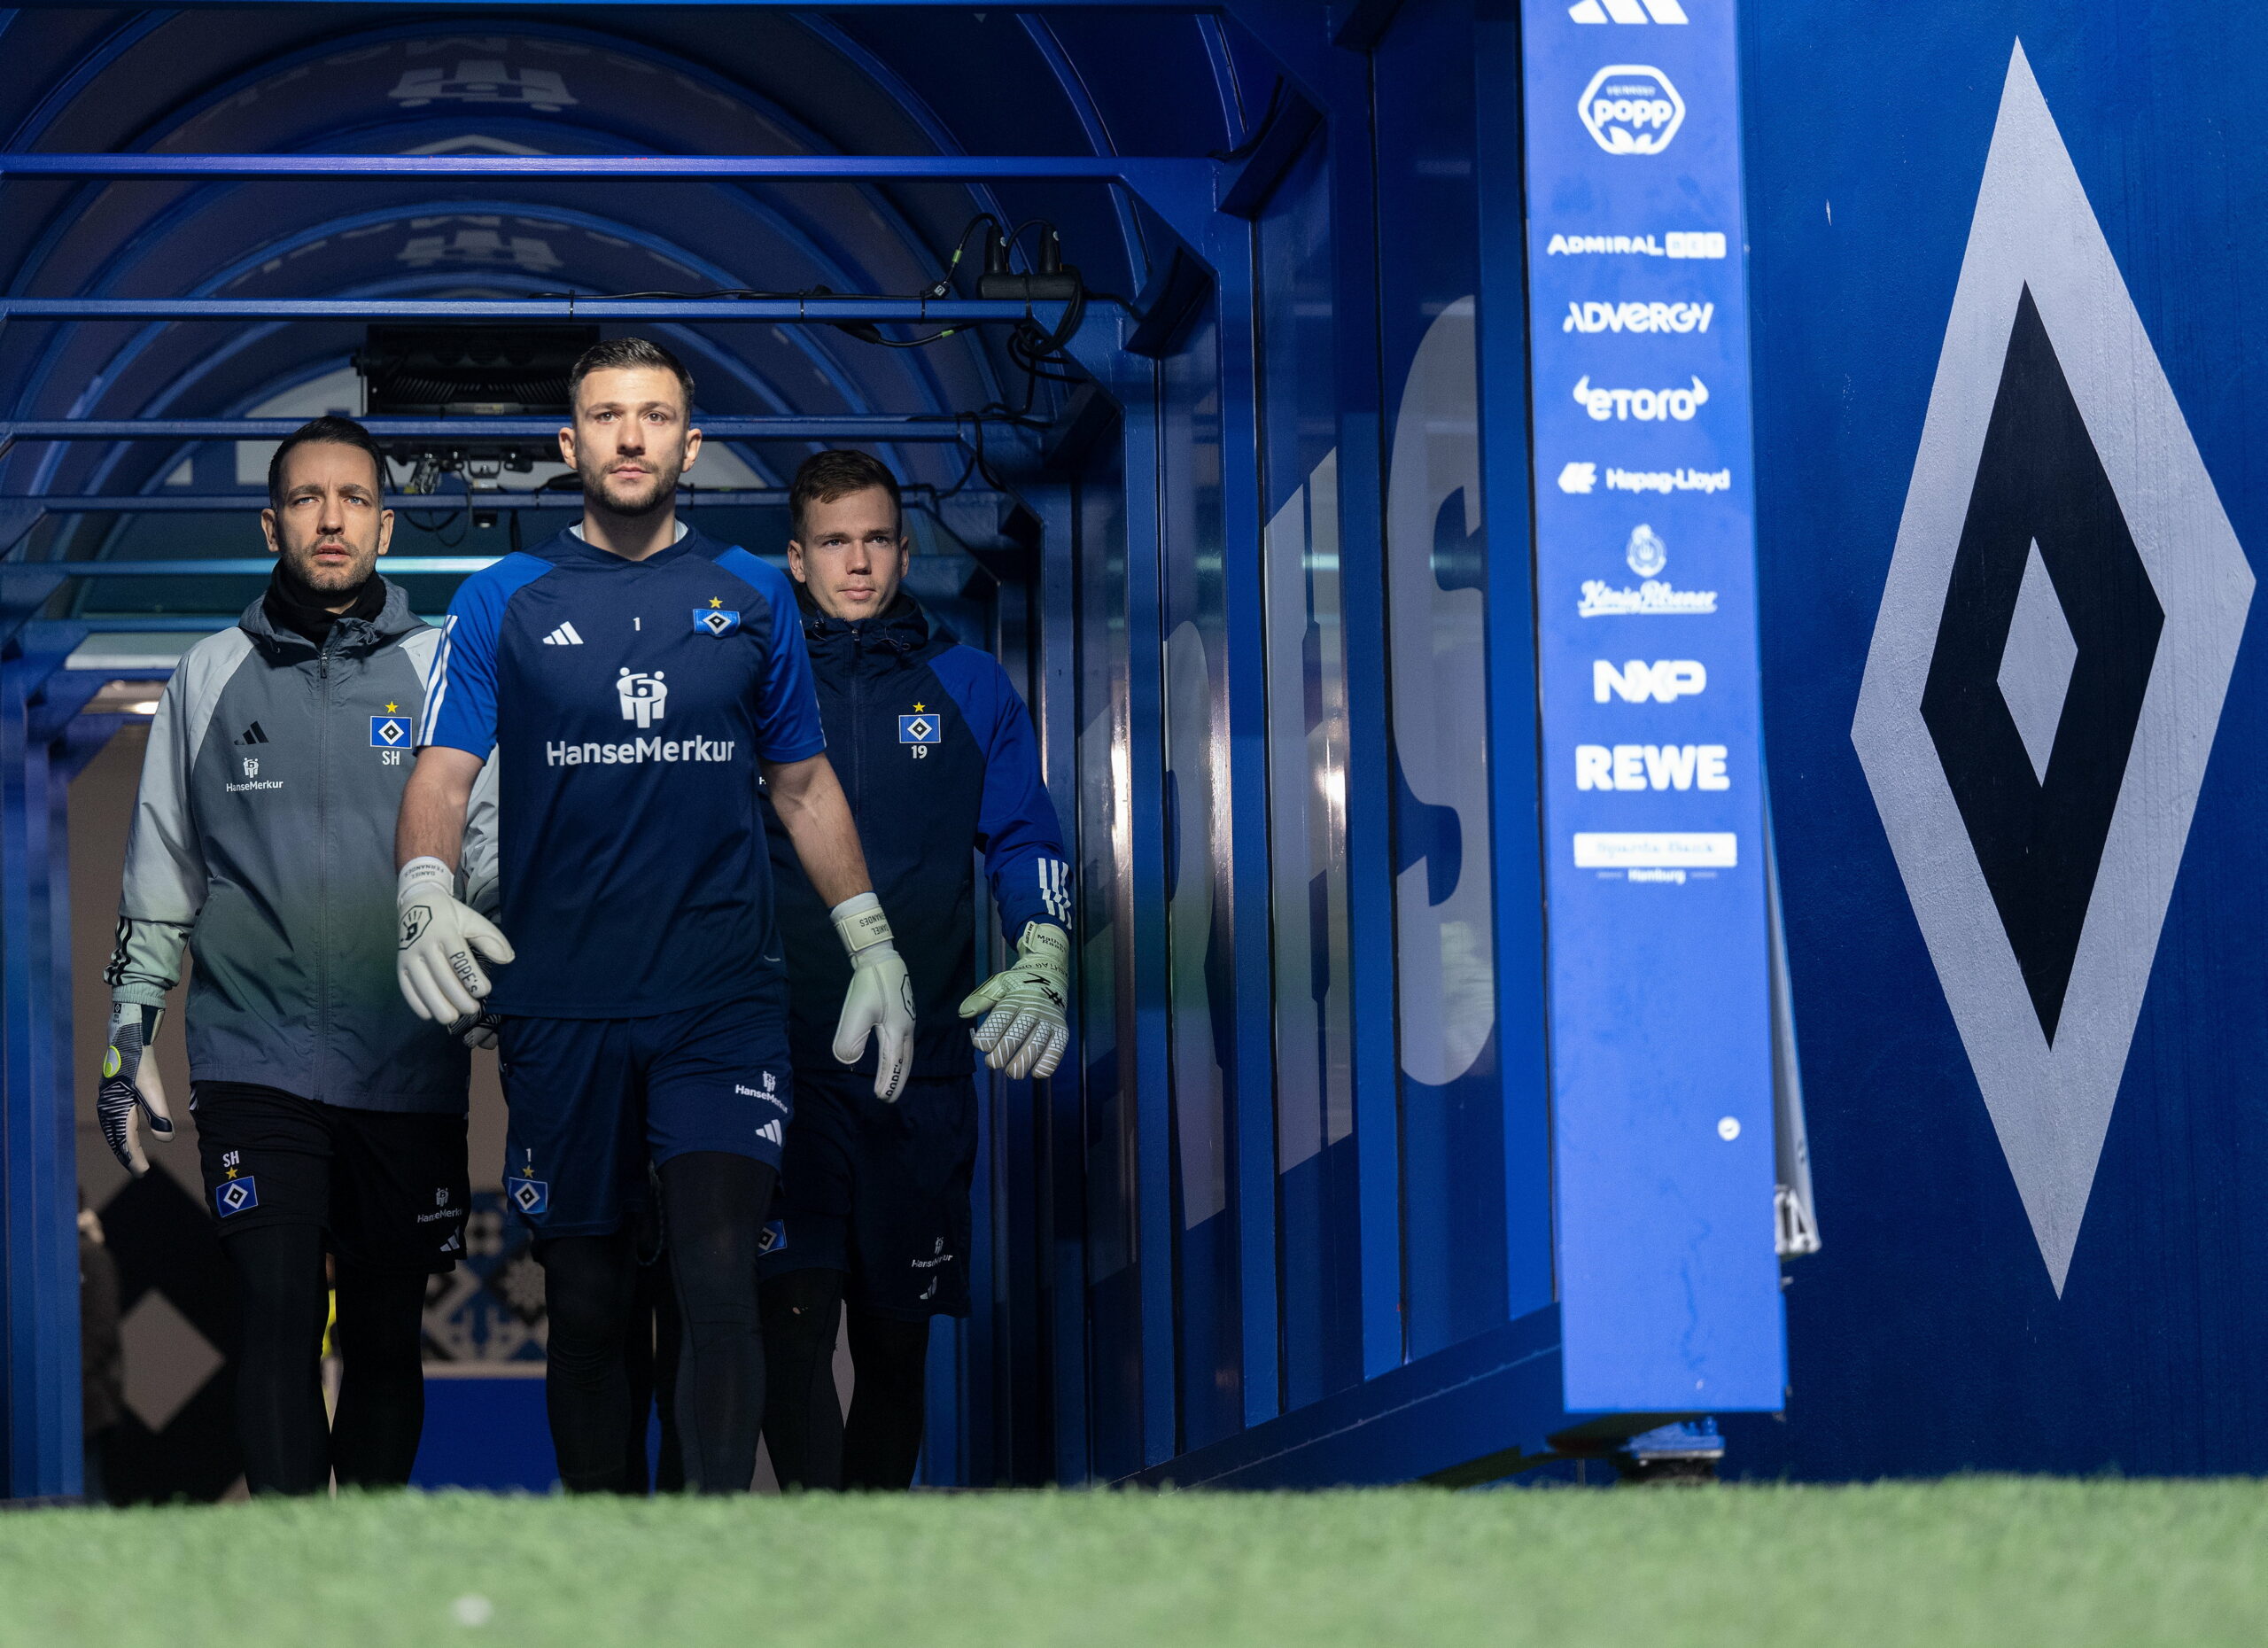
{"points": [[1629, 108], [644, 698]]}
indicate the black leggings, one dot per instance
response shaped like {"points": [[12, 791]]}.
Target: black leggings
{"points": [[288, 1446], [712, 1204], [811, 1445]]}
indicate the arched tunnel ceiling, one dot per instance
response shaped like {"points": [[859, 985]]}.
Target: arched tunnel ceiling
{"points": [[573, 80]]}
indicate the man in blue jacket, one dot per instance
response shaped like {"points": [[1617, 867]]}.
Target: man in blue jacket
{"points": [[936, 756]]}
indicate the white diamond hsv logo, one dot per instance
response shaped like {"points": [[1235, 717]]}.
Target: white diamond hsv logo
{"points": [[2056, 635]]}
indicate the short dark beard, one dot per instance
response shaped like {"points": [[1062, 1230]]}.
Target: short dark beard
{"points": [[319, 583], [664, 492]]}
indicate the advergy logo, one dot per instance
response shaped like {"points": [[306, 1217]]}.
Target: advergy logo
{"points": [[1652, 598], [1627, 11], [1637, 317], [1668, 480], [1665, 680], [1647, 406], [1630, 108], [644, 698], [1692, 243], [1646, 553], [1578, 477], [1651, 766]]}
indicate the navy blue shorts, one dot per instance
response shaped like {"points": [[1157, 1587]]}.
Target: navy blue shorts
{"points": [[593, 1100], [879, 1192]]}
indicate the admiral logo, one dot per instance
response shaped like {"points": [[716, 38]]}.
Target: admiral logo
{"points": [[1665, 680], [1630, 108], [1637, 317], [1693, 242], [1668, 480], [1646, 406], [1627, 11], [1651, 598], [1651, 766]]}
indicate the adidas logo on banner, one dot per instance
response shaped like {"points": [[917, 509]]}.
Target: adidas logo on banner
{"points": [[1625, 12], [563, 636], [773, 1131], [254, 736]]}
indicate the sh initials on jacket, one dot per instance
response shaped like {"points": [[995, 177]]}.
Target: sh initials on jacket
{"points": [[921, 730]]}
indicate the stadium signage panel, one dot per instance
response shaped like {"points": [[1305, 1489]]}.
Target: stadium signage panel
{"points": [[1653, 787]]}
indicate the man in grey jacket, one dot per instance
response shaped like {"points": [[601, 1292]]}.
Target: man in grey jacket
{"points": [[329, 1116]]}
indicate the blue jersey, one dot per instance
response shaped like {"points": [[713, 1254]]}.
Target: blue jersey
{"points": [[627, 705], [936, 756]]}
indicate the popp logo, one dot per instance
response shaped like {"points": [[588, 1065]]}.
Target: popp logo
{"points": [[1631, 109]]}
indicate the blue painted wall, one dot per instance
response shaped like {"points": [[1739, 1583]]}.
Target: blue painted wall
{"points": [[1928, 1335]]}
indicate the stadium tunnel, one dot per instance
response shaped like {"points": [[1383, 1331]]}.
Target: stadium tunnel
{"points": [[1223, 446]]}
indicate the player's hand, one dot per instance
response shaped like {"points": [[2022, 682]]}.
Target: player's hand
{"points": [[130, 1088], [476, 1029], [442, 941], [879, 1001], [1029, 1026]]}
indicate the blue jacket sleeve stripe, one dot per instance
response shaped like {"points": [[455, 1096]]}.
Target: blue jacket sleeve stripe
{"points": [[787, 715], [1017, 829], [461, 690]]}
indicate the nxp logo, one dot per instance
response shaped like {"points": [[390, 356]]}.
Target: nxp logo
{"points": [[1631, 109]]}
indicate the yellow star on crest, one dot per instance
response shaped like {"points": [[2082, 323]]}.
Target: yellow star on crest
{"points": [[917, 706], [391, 707], [714, 602]]}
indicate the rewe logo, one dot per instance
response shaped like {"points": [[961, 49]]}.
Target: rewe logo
{"points": [[1629, 108], [1665, 681], [1627, 11], [643, 697], [1651, 766]]}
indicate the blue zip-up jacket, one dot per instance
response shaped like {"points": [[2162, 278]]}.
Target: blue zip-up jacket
{"points": [[936, 752]]}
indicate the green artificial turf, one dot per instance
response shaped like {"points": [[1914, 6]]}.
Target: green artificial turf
{"points": [[1998, 1561]]}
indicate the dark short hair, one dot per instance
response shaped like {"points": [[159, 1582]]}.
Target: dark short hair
{"points": [[837, 472], [328, 429], [615, 354]]}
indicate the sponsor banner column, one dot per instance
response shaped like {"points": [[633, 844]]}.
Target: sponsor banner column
{"points": [[1653, 778]]}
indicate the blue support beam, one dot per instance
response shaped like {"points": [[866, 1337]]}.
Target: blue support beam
{"points": [[773, 311], [38, 1176], [230, 503], [489, 429]]}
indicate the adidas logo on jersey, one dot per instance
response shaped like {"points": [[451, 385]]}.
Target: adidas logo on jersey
{"points": [[254, 736], [1627, 11], [563, 636], [773, 1133]]}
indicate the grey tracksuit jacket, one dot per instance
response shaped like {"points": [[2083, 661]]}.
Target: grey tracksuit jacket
{"points": [[263, 843]]}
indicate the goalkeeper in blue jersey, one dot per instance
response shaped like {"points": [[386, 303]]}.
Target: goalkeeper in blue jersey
{"points": [[632, 678], [938, 759]]}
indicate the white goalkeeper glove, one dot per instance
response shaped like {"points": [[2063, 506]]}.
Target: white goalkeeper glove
{"points": [[130, 1088], [1029, 1026], [879, 1001], [442, 939]]}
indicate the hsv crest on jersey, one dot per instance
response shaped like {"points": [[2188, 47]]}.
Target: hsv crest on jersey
{"points": [[239, 1195], [924, 727], [389, 731], [530, 1196], [715, 620]]}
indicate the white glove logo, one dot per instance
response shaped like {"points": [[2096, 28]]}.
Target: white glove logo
{"points": [[643, 697]]}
